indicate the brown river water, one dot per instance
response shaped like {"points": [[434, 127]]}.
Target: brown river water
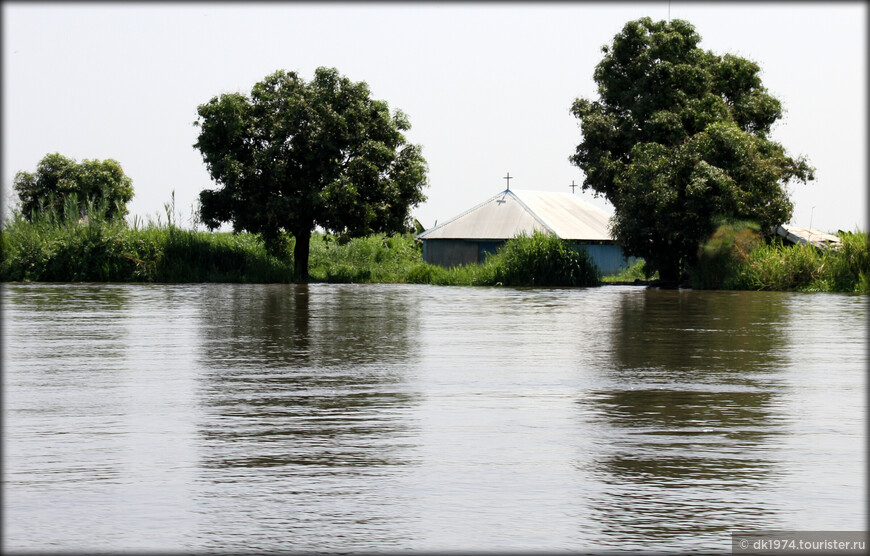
{"points": [[390, 418]]}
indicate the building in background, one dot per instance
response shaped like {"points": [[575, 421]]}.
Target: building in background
{"points": [[797, 235], [481, 230]]}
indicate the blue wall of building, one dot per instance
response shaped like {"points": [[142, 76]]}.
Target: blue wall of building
{"points": [[454, 252], [608, 258]]}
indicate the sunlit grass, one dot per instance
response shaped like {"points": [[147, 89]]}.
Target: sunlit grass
{"points": [[57, 248], [637, 271], [776, 266], [538, 260], [736, 258]]}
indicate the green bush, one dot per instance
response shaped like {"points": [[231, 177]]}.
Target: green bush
{"points": [[723, 254], [775, 266], [373, 258], [541, 260]]}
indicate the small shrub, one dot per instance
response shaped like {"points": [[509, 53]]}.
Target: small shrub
{"points": [[541, 260]]}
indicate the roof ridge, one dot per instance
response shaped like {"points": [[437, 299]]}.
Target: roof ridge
{"points": [[566, 195], [533, 213], [455, 218], [561, 214]]}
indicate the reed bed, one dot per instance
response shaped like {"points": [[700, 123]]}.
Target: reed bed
{"points": [[55, 248], [737, 258], [775, 266], [60, 248], [538, 260]]}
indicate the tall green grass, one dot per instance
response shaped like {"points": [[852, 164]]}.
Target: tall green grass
{"points": [[776, 266], [379, 258], [538, 260], [735, 257], [374, 258], [58, 248]]}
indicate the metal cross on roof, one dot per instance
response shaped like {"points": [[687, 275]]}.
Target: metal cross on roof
{"points": [[508, 178], [572, 186]]}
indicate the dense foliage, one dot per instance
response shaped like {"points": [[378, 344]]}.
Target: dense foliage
{"points": [[57, 248], [737, 257], [54, 247], [61, 184], [775, 266], [721, 258], [678, 139], [296, 155], [542, 260]]}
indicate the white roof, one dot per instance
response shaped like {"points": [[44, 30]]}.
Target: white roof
{"points": [[799, 235], [511, 213]]}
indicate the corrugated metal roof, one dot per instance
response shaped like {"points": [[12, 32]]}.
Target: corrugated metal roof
{"points": [[798, 235], [511, 213]]}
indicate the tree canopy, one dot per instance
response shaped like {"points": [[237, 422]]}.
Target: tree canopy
{"points": [[295, 155], [678, 139], [60, 183]]}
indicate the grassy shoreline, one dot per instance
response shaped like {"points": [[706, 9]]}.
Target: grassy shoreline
{"points": [[57, 249], [53, 249]]}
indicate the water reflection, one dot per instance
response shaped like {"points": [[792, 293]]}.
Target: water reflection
{"points": [[69, 322], [307, 387], [87, 456], [705, 334], [369, 418], [684, 417], [69, 360]]}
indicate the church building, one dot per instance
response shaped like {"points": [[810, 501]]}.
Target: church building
{"points": [[481, 230]]}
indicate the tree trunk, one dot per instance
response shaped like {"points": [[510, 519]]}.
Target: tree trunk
{"points": [[670, 274], [300, 256]]}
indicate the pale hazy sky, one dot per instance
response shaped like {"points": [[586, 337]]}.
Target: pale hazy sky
{"points": [[487, 87]]}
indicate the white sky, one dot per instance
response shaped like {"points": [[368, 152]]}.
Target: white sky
{"points": [[487, 87]]}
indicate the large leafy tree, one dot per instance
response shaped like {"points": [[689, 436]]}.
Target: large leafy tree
{"points": [[679, 138], [62, 184], [296, 155]]}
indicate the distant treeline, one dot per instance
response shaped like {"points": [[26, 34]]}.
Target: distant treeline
{"points": [[57, 248]]}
